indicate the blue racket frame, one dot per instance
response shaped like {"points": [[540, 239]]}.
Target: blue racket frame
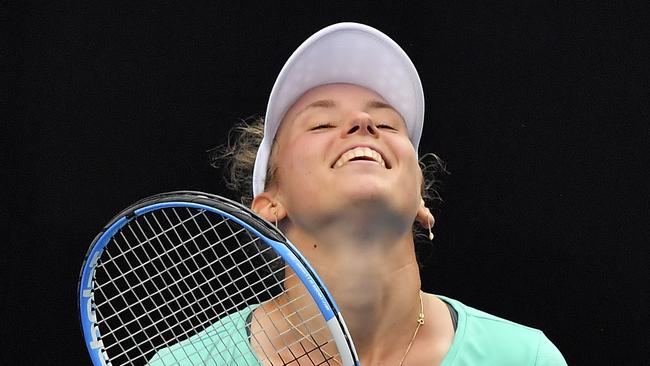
{"points": [[286, 250]]}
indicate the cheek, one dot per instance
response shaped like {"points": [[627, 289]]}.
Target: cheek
{"points": [[407, 154], [413, 173], [300, 159], [298, 167]]}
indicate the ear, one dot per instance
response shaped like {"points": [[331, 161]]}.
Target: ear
{"points": [[424, 216], [268, 208]]}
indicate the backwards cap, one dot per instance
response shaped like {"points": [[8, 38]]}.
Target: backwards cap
{"points": [[349, 53]]}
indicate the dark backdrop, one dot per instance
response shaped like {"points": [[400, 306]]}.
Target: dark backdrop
{"points": [[540, 112]]}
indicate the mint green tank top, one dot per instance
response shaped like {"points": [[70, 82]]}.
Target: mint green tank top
{"points": [[481, 339]]}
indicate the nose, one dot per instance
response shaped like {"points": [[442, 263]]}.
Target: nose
{"points": [[362, 124]]}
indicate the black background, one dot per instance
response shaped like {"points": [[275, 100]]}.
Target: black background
{"points": [[540, 111]]}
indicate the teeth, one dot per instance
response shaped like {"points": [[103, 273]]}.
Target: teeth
{"points": [[357, 153]]}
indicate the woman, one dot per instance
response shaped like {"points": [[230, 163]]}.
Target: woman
{"points": [[337, 170]]}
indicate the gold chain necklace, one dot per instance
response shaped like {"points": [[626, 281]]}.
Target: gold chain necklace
{"points": [[417, 328]]}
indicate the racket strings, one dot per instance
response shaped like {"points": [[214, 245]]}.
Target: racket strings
{"points": [[305, 338], [179, 310], [307, 353], [148, 314], [155, 235], [309, 336], [174, 298], [281, 309], [147, 240], [153, 287], [280, 306], [192, 258], [164, 318], [177, 281], [161, 273], [204, 297]]}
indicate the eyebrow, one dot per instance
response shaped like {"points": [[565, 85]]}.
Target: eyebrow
{"points": [[329, 103], [323, 103], [376, 104]]}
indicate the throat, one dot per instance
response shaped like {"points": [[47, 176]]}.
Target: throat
{"points": [[381, 320], [367, 222], [376, 292]]}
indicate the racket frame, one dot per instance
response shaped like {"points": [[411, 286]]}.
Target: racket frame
{"points": [[233, 211]]}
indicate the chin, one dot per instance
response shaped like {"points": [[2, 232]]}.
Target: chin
{"points": [[365, 190], [372, 203]]}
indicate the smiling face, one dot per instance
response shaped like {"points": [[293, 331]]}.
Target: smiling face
{"points": [[341, 147]]}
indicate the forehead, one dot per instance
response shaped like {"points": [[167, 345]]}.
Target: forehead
{"points": [[343, 92], [338, 93]]}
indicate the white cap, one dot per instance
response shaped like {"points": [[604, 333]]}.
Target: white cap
{"points": [[349, 53]]}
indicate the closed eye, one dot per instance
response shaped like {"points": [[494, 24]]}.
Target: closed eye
{"points": [[383, 125], [322, 126]]}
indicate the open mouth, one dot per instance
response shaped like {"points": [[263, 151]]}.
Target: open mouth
{"points": [[360, 154]]}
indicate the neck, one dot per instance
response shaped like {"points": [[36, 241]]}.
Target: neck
{"points": [[376, 284]]}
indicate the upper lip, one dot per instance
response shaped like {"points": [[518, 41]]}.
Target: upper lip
{"points": [[371, 147]]}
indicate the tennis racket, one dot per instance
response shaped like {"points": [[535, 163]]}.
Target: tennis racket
{"points": [[190, 278]]}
